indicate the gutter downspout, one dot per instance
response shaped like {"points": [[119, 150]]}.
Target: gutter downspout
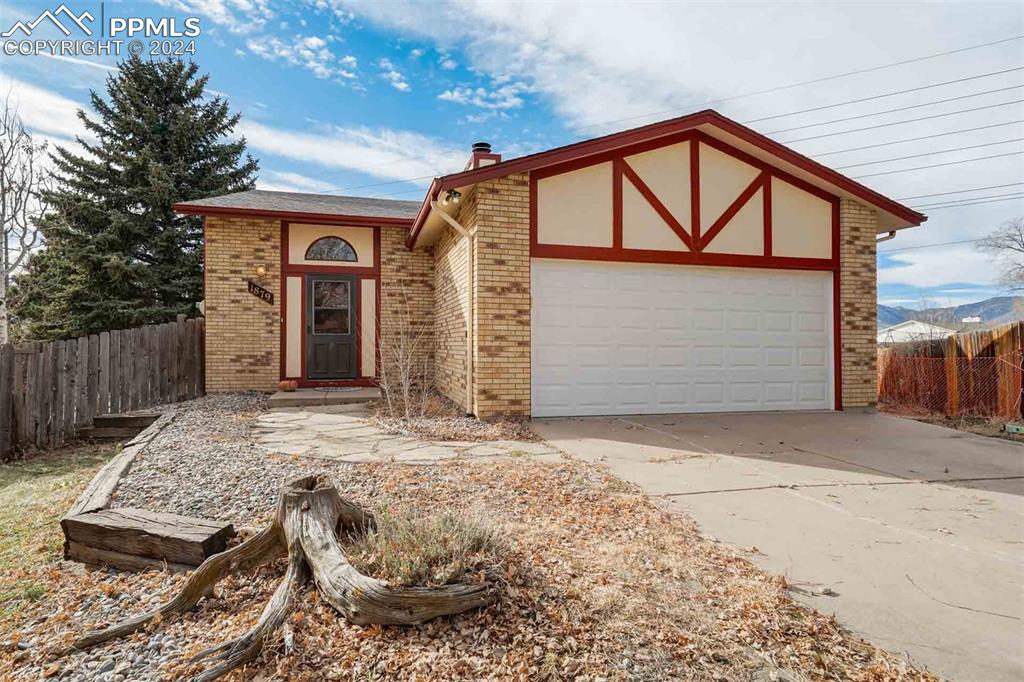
{"points": [[469, 298], [891, 235]]}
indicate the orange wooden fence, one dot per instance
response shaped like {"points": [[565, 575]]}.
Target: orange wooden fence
{"points": [[974, 374]]}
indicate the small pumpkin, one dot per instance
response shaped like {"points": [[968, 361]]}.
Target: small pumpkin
{"points": [[288, 385]]}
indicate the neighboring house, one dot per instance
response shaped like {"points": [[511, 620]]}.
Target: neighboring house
{"points": [[692, 265], [913, 330]]}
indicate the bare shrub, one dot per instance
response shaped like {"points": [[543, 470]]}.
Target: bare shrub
{"points": [[405, 371], [410, 547]]}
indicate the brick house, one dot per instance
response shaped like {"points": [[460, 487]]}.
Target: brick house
{"points": [[691, 265]]}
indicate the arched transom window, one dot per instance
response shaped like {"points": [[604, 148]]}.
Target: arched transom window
{"points": [[331, 248]]}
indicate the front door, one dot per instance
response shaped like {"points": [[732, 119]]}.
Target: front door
{"points": [[331, 315]]}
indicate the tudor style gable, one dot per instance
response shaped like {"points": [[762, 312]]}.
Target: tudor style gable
{"points": [[688, 199]]}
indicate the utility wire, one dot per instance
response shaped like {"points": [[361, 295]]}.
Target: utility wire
{"points": [[909, 120], [938, 151], [917, 139], [928, 246], [936, 165], [893, 111], [822, 79], [956, 201], [972, 203], [886, 94], [961, 191]]}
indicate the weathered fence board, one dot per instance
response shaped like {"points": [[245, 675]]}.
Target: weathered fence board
{"points": [[974, 374], [50, 391]]}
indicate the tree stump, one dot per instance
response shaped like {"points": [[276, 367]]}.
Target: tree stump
{"points": [[310, 514]]}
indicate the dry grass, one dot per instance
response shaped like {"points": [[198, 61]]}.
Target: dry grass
{"points": [[33, 495], [598, 583], [410, 547], [443, 420], [992, 427]]}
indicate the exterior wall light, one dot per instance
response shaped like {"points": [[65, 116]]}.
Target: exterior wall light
{"points": [[261, 271], [453, 196]]}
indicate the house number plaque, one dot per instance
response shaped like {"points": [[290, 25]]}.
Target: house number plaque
{"points": [[259, 292]]}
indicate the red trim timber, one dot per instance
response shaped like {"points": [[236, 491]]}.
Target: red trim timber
{"points": [[724, 260], [695, 190], [660, 208], [293, 216], [618, 168], [734, 208], [647, 133], [837, 311], [766, 203]]}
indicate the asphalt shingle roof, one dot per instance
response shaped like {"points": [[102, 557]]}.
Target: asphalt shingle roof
{"points": [[300, 202]]}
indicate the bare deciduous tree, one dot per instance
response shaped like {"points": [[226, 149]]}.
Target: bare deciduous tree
{"points": [[21, 180], [1007, 245]]}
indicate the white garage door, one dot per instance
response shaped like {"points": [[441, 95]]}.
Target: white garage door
{"points": [[615, 338]]}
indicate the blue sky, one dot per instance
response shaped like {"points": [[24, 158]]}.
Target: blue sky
{"points": [[376, 98]]}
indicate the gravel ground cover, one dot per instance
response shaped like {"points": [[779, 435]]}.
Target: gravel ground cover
{"points": [[599, 583]]}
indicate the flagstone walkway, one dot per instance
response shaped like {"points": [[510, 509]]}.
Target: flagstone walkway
{"points": [[345, 434]]}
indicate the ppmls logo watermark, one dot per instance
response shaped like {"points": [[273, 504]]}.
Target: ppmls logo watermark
{"points": [[114, 35]]}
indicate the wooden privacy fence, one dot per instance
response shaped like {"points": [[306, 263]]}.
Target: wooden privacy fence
{"points": [[975, 374], [51, 390]]}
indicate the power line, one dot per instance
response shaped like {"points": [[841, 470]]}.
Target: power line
{"points": [[909, 120], [917, 156], [937, 165], [887, 94], [972, 203], [961, 191], [917, 139], [928, 246], [822, 79], [893, 111], [1014, 195]]}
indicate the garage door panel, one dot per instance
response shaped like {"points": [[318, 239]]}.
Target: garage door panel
{"points": [[657, 339]]}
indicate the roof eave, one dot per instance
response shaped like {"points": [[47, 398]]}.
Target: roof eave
{"points": [[361, 220], [655, 130]]}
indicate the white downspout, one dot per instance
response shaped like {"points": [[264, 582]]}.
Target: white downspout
{"points": [[469, 298]]}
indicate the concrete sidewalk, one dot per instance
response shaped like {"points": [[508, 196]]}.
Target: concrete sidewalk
{"points": [[912, 534]]}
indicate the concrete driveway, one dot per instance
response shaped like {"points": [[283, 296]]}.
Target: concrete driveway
{"points": [[912, 534]]}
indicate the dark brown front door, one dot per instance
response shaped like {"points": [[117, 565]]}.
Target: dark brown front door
{"points": [[331, 316]]}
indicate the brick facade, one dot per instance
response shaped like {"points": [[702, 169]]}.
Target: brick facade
{"points": [[502, 305], [243, 333], [451, 306], [406, 304], [858, 228]]}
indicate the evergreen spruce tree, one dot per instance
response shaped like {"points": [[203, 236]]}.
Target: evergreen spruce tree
{"points": [[116, 255]]}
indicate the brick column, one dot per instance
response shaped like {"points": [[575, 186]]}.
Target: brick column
{"points": [[858, 229], [502, 305], [243, 333]]}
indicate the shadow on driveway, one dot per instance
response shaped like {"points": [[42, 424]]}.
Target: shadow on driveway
{"points": [[913, 534]]}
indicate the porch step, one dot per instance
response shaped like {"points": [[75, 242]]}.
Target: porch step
{"points": [[311, 397], [118, 426], [135, 539], [135, 419]]}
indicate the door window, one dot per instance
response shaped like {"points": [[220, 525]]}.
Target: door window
{"points": [[331, 307]]}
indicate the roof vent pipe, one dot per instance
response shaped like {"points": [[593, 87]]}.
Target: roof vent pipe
{"points": [[481, 147]]}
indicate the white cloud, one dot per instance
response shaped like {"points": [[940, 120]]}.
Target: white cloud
{"points": [[287, 181], [309, 52], [448, 64], [44, 111], [381, 153], [503, 97], [416, 53], [936, 267], [237, 16], [393, 76]]}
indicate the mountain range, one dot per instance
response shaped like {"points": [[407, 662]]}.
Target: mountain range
{"points": [[992, 311]]}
